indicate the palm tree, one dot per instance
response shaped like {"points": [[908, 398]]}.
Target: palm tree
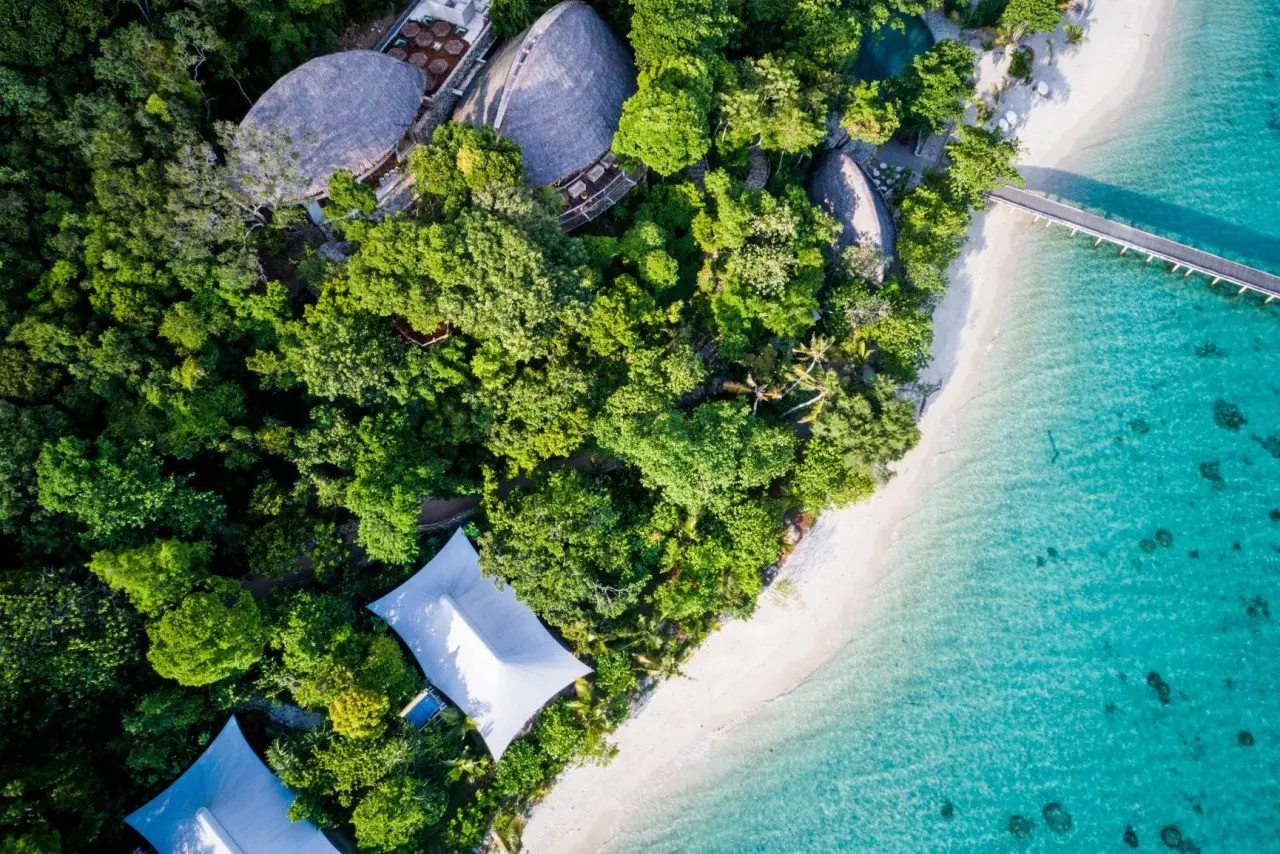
{"points": [[820, 384], [592, 712], [758, 392], [585, 639], [468, 767], [664, 664], [455, 724], [857, 350], [815, 352]]}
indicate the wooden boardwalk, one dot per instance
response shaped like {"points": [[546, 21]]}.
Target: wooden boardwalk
{"points": [[1181, 256]]}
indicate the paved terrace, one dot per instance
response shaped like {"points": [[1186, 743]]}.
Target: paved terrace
{"points": [[1180, 255]]}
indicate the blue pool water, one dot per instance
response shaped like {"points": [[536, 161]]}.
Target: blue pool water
{"points": [[888, 51], [1006, 663]]}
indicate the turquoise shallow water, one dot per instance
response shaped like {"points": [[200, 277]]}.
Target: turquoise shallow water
{"points": [[1005, 664], [887, 52]]}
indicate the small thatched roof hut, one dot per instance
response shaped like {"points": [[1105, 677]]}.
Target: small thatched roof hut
{"points": [[346, 110], [840, 187], [557, 90]]}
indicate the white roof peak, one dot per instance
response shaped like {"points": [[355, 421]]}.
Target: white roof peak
{"points": [[478, 643]]}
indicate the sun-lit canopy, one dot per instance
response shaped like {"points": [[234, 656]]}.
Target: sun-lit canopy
{"points": [[478, 643], [227, 802]]}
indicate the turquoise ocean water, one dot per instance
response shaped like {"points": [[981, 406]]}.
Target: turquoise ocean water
{"points": [[1005, 665]]}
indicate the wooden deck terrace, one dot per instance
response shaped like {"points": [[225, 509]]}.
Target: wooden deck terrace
{"points": [[1181, 256]]}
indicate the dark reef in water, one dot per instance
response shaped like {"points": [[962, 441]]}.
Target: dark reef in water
{"points": [[1210, 349], [1020, 826], [1057, 818], [1228, 416], [1164, 537], [1270, 444], [1172, 837], [1258, 607], [1139, 426], [1161, 686], [1275, 515], [1130, 836], [1245, 738], [1148, 545], [948, 811], [1212, 471]]}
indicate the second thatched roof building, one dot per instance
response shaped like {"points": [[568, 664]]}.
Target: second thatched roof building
{"points": [[557, 90], [840, 187]]}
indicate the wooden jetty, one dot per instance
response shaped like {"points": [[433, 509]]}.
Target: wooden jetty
{"points": [[1181, 256]]}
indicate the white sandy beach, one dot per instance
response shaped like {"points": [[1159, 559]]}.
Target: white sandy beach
{"points": [[835, 570]]}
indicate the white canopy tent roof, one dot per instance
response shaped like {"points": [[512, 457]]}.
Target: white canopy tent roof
{"points": [[478, 643], [227, 802]]}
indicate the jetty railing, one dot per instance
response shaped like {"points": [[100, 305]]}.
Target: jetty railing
{"points": [[1128, 238]]}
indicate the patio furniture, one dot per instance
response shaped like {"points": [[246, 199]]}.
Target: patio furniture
{"points": [[455, 47], [577, 189], [431, 83], [595, 173], [419, 59], [442, 28], [411, 29], [397, 53], [423, 39], [438, 66]]}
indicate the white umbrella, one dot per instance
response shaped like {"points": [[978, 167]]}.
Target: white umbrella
{"points": [[1011, 117], [1003, 125], [1042, 88]]}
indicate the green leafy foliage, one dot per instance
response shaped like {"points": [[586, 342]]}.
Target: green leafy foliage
{"points": [[565, 549], [699, 460], [1031, 16], [869, 116], [934, 88], [358, 713], [393, 814], [155, 576], [208, 637]]}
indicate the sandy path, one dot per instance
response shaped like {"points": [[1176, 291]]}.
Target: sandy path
{"points": [[835, 569]]}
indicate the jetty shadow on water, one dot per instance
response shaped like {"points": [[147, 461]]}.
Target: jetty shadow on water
{"points": [[1167, 219]]}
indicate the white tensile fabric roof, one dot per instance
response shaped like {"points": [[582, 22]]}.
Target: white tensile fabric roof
{"points": [[227, 802], [478, 643]]}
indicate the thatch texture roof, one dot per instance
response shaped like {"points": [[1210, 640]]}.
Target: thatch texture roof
{"points": [[342, 111], [841, 188], [557, 90]]}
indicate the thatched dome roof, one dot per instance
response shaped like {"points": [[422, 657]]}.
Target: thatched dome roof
{"points": [[840, 187], [557, 90], [343, 111]]}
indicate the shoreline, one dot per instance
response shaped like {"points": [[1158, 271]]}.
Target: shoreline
{"points": [[835, 570]]}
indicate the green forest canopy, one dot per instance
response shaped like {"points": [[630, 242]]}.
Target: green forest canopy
{"points": [[214, 444]]}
